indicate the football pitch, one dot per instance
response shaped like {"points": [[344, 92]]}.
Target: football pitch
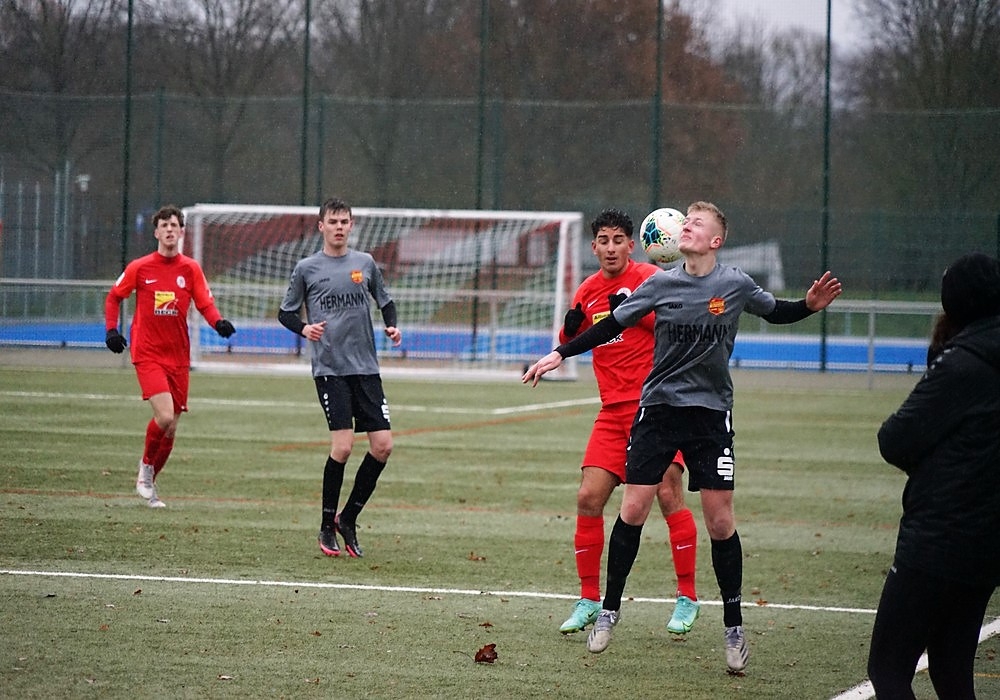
{"points": [[467, 541]]}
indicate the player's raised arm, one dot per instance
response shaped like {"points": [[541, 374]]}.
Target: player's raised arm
{"points": [[823, 291], [820, 295]]}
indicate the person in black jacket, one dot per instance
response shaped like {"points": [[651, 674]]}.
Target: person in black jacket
{"points": [[946, 437]]}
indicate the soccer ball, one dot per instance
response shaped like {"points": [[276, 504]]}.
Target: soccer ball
{"points": [[660, 235]]}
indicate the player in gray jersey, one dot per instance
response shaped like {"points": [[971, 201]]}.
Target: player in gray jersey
{"points": [[335, 285], [686, 405]]}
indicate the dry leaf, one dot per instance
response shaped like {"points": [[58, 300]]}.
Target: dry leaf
{"points": [[487, 655]]}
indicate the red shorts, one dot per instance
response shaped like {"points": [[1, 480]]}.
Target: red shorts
{"points": [[155, 378], [608, 443]]}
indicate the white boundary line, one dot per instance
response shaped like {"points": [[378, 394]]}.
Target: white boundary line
{"points": [[388, 589], [862, 691]]}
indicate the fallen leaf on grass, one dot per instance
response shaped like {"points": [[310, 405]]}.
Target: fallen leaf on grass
{"points": [[486, 624], [486, 655], [476, 557]]}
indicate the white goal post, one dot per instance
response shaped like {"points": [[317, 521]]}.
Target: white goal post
{"points": [[477, 292]]}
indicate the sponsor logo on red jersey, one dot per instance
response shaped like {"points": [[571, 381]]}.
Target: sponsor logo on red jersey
{"points": [[164, 304]]}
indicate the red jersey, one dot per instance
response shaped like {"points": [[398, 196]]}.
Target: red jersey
{"points": [[164, 288], [621, 364]]}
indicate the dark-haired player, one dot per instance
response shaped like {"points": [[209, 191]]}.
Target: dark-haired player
{"points": [[165, 283], [620, 366], [686, 405]]}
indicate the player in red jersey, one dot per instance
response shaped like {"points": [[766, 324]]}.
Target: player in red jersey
{"points": [[165, 283], [620, 367]]}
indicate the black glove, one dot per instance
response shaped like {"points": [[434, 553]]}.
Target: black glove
{"points": [[115, 341], [615, 299], [573, 321], [224, 328]]}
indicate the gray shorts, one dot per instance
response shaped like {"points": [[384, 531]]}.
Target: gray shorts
{"points": [[703, 435], [354, 401]]}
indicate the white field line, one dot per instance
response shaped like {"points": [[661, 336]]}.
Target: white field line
{"points": [[252, 403], [386, 589], [862, 691]]}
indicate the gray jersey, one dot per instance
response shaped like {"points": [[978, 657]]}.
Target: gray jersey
{"points": [[337, 290], [696, 323]]}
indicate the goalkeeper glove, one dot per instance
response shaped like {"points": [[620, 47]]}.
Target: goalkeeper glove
{"points": [[573, 321], [115, 341], [615, 299], [224, 328]]}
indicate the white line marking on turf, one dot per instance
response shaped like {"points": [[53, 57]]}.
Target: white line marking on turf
{"points": [[862, 691], [865, 691], [386, 589], [254, 403]]}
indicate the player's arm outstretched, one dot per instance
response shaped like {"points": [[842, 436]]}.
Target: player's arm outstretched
{"points": [[598, 334], [820, 295], [823, 291]]}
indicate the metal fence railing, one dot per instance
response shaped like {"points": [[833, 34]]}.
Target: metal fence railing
{"points": [[858, 335]]}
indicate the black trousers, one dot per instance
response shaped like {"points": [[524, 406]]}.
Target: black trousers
{"points": [[919, 612]]}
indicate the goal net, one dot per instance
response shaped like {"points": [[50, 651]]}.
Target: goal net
{"points": [[476, 291]]}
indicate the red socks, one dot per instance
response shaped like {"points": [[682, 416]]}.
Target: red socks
{"points": [[158, 447], [683, 546], [589, 545]]}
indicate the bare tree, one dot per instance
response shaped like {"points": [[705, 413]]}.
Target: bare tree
{"points": [[63, 49], [539, 57], [925, 90], [391, 52], [223, 53], [782, 78]]}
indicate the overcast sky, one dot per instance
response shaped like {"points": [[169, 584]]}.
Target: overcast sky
{"points": [[808, 14]]}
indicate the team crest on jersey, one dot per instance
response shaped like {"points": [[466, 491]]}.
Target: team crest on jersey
{"points": [[716, 306], [164, 304], [181, 282], [357, 276]]}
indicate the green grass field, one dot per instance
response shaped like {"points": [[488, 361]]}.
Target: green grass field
{"points": [[468, 542]]}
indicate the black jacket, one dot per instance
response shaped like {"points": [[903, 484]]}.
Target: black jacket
{"points": [[946, 437]]}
